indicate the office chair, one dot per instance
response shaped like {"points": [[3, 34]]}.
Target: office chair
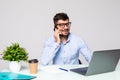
{"points": [[79, 61]]}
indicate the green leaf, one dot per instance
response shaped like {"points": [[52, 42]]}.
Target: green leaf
{"points": [[15, 53]]}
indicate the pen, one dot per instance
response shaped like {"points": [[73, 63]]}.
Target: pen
{"points": [[63, 69]]}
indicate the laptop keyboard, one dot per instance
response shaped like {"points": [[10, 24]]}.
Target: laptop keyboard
{"points": [[80, 70]]}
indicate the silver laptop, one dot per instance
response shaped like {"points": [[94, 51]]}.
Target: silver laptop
{"points": [[101, 62]]}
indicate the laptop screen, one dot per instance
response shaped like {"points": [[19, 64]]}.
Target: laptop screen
{"points": [[102, 61]]}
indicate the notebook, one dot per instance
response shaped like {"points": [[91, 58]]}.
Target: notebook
{"points": [[15, 76], [102, 61]]}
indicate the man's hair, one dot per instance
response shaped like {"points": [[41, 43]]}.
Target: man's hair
{"points": [[60, 16]]}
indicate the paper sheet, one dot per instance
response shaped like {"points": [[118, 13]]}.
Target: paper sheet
{"points": [[52, 69]]}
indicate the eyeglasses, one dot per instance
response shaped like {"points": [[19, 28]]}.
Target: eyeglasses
{"points": [[64, 24]]}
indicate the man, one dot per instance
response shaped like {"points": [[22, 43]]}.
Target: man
{"points": [[63, 47]]}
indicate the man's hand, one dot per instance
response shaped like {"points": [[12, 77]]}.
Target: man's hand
{"points": [[57, 36]]}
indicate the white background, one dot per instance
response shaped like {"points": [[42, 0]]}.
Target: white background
{"points": [[30, 22]]}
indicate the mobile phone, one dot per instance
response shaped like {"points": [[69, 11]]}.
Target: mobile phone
{"points": [[59, 34]]}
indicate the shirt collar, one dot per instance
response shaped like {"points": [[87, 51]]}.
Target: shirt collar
{"points": [[69, 38]]}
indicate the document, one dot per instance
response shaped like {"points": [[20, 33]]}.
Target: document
{"points": [[54, 69], [15, 76]]}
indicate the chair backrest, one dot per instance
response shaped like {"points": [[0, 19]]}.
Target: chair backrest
{"points": [[79, 61]]}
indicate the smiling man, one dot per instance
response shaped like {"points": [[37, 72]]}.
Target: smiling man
{"points": [[63, 47]]}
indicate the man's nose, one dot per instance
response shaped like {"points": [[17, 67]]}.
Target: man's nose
{"points": [[65, 26]]}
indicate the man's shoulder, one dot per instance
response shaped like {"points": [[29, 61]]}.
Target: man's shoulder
{"points": [[76, 39], [51, 38], [74, 36]]}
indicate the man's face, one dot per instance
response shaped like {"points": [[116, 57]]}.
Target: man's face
{"points": [[63, 26]]}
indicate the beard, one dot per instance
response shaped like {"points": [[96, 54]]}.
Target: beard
{"points": [[61, 35], [65, 35]]}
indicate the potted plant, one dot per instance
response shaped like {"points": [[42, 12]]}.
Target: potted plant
{"points": [[14, 53]]}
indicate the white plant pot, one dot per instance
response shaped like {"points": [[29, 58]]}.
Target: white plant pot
{"points": [[14, 66]]}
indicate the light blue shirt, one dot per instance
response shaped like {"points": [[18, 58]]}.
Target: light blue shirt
{"points": [[64, 53]]}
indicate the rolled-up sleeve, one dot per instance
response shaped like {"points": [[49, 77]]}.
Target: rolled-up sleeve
{"points": [[49, 51]]}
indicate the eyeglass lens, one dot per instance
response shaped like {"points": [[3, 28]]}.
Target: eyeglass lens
{"points": [[64, 24]]}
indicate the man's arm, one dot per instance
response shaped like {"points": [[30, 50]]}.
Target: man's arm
{"points": [[51, 47], [85, 51], [49, 51]]}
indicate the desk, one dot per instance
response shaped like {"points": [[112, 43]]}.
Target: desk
{"points": [[42, 75]]}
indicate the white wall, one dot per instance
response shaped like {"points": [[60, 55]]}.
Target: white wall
{"points": [[29, 22]]}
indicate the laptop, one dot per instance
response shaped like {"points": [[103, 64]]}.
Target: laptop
{"points": [[102, 61], [15, 76]]}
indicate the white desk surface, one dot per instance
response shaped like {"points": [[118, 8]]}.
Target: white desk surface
{"points": [[44, 75]]}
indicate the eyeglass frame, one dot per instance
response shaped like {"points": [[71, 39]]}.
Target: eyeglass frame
{"points": [[64, 24]]}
